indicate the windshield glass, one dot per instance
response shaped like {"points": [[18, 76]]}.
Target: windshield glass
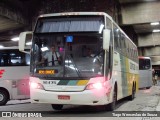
{"points": [[68, 47], [76, 55]]}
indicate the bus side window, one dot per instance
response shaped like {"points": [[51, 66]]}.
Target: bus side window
{"points": [[116, 38]]}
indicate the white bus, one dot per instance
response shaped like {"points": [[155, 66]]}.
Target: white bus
{"points": [[107, 75], [14, 74], [145, 72]]}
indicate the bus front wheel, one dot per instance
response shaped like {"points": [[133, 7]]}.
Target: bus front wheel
{"points": [[132, 96], [57, 107], [112, 105], [3, 97]]}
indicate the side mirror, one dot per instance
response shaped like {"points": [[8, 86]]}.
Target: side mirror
{"points": [[106, 39], [23, 37]]}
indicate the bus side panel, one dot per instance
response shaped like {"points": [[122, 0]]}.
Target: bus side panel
{"points": [[117, 75], [137, 82], [133, 76], [129, 84], [124, 70], [16, 79], [125, 73]]}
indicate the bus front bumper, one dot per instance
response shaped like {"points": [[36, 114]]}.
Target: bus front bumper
{"points": [[86, 97]]}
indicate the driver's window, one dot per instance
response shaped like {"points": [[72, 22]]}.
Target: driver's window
{"points": [[98, 61]]}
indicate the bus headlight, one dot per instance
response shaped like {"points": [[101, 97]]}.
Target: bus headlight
{"points": [[94, 86], [35, 85]]}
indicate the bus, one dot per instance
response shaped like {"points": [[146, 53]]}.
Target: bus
{"points": [[14, 75], [109, 74], [145, 72]]}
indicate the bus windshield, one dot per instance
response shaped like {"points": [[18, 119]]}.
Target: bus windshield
{"points": [[77, 44], [144, 64], [81, 55]]}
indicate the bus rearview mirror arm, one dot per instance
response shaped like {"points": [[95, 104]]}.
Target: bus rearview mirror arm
{"points": [[106, 39]]}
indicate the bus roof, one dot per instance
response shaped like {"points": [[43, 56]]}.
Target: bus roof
{"points": [[86, 13], [143, 57], [75, 13]]}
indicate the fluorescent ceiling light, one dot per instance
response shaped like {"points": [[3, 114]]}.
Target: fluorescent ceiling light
{"points": [[156, 30], [155, 23], [29, 43], [15, 39], [1, 46], [44, 49]]}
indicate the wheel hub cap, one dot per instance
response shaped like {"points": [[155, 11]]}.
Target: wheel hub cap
{"points": [[1, 97]]}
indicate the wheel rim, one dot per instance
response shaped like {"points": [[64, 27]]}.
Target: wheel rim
{"points": [[1, 97]]}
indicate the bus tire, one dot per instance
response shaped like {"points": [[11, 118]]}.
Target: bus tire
{"points": [[3, 97], [112, 105], [148, 87], [57, 107], [132, 96]]}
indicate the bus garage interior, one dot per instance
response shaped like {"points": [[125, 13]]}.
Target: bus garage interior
{"points": [[21, 15]]}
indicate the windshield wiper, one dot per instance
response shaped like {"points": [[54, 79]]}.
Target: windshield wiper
{"points": [[97, 54], [77, 70]]}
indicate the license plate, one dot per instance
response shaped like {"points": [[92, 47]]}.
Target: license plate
{"points": [[64, 97]]}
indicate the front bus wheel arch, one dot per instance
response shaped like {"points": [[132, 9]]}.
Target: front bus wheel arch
{"points": [[112, 106], [132, 96], [4, 97]]}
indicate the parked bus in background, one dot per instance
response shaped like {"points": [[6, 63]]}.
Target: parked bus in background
{"points": [[14, 74], [145, 72], [107, 73]]}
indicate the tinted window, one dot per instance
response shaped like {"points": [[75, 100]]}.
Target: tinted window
{"points": [[14, 58], [116, 38], [144, 64], [69, 24]]}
